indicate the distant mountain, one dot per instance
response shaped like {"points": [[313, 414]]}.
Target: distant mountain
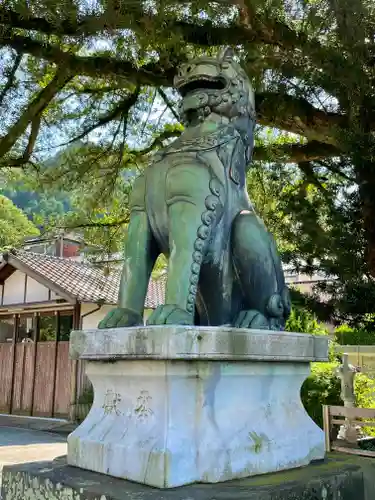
{"points": [[45, 205], [41, 204], [38, 204]]}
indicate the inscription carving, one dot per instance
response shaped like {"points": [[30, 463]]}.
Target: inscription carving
{"points": [[142, 410], [111, 400]]}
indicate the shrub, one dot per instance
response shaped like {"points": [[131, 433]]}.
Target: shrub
{"points": [[365, 397], [323, 387], [334, 354], [87, 397], [346, 335], [365, 391], [303, 321]]}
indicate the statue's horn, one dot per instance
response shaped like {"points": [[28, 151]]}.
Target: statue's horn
{"points": [[226, 53]]}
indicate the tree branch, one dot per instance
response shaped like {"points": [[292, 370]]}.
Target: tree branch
{"points": [[289, 153], [28, 22], [298, 116], [336, 170], [125, 117], [35, 108], [151, 74], [115, 112], [86, 25], [165, 98], [310, 176], [158, 142], [99, 90], [11, 77], [96, 224], [25, 158], [256, 30], [35, 126], [287, 113], [295, 153], [270, 31]]}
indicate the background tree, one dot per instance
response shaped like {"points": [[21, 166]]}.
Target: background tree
{"points": [[14, 225], [319, 232]]}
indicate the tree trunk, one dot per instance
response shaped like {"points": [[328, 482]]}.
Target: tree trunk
{"points": [[364, 163]]}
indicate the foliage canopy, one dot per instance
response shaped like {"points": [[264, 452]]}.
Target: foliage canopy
{"points": [[91, 82], [14, 225]]}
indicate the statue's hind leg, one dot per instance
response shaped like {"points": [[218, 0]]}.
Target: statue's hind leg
{"points": [[259, 271]]}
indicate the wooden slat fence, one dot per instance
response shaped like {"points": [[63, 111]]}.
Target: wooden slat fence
{"points": [[340, 415], [35, 379]]}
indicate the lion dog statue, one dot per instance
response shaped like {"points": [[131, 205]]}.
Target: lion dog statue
{"points": [[191, 204]]}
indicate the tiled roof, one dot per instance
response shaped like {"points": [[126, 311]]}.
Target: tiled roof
{"points": [[83, 281]]}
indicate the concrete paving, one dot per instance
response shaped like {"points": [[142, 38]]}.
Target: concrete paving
{"points": [[25, 445], [61, 426]]}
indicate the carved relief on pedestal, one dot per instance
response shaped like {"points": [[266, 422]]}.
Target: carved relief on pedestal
{"points": [[111, 401], [142, 410]]}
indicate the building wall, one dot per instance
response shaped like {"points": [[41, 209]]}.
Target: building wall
{"points": [[35, 291], [362, 356], [14, 290], [305, 283], [92, 320]]}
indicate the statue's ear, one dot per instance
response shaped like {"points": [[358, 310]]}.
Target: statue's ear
{"points": [[226, 54]]}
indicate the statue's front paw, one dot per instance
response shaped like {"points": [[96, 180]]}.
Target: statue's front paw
{"points": [[121, 317], [170, 314], [252, 319], [257, 321]]}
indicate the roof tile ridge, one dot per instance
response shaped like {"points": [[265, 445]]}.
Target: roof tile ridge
{"points": [[54, 257]]}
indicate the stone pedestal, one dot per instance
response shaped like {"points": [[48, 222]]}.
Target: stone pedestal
{"points": [[178, 405], [349, 432]]}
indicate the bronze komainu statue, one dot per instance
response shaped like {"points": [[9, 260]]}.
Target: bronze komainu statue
{"points": [[192, 205]]}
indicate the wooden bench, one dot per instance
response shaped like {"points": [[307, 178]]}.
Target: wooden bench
{"points": [[349, 416]]}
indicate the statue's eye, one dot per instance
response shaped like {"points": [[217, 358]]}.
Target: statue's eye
{"points": [[188, 69]]}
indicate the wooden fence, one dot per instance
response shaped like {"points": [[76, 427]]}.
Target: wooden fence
{"points": [[35, 379], [340, 415]]}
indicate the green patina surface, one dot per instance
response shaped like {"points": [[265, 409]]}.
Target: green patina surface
{"points": [[341, 477], [191, 204], [258, 440]]}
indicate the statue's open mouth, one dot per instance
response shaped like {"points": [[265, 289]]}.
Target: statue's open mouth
{"points": [[201, 84]]}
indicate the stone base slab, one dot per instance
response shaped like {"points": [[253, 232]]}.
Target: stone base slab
{"points": [[197, 342], [166, 421], [340, 477]]}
